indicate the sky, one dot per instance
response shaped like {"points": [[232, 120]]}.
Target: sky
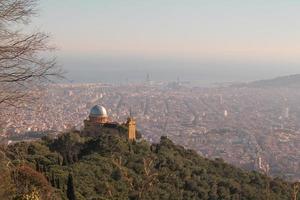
{"points": [[258, 37]]}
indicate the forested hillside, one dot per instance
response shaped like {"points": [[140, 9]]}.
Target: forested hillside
{"points": [[111, 167]]}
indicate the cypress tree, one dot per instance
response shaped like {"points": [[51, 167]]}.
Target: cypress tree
{"points": [[53, 179], [70, 188], [57, 183], [44, 169], [58, 160], [75, 157], [70, 158], [37, 166], [64, 160]]}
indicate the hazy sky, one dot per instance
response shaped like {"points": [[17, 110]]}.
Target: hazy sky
{"points": [[247, 31]]}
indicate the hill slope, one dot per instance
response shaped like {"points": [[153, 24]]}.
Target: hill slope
{"points": [[283, 81], [111, 167]]}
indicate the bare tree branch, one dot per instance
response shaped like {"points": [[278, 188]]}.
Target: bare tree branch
{"points": [[22, 66]]}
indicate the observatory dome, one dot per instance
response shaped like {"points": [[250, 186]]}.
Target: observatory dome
{"points": [[98, 111]]}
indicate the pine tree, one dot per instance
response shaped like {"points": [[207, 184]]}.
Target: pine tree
{"points": [[70, 190], [213, 192]]}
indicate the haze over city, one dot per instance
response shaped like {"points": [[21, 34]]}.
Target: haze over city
{"points": [[204, 41]]}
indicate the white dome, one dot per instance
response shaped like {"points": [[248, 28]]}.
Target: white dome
{"points": [[98, 111]]}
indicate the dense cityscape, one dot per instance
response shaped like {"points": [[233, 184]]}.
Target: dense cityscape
{"points": [[149, 100], [253, 128]]}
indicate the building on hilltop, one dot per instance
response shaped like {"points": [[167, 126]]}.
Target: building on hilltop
{"points": [[98, 114], [98, 119], [131, 125]]}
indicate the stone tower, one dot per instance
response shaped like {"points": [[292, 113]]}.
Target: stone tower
{"points": [[131, 124]]}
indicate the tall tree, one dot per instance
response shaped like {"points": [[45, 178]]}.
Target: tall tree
{"points": [[22, 66], [70, 188], [6, 183], [27, 179]]}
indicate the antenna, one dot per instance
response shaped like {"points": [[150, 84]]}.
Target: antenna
{"points": [[148, 78], [130, 112]]}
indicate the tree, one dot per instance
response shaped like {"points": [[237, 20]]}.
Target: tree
{"points": [[6, 184], [296, 189], [70, 188], [68, 145], [33, 195], [27, 180], [22, 66], [52, 180]]}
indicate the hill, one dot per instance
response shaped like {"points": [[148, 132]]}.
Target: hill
{"points": [[108, 166], [283, 81]]}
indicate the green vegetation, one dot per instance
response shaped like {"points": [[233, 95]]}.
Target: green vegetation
{"points": [[109, 166], [70, 190]]}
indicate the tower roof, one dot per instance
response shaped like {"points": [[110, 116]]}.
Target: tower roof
{"points": [[98, 111]]}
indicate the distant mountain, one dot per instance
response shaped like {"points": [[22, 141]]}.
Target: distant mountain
{"points": [[282, 81], [108, 166]]}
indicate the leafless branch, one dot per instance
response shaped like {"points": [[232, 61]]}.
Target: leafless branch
{"points": [[22, 64]]}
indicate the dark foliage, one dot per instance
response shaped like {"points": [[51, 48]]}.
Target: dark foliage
{"points": [[70, 190], [108, 166]]}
